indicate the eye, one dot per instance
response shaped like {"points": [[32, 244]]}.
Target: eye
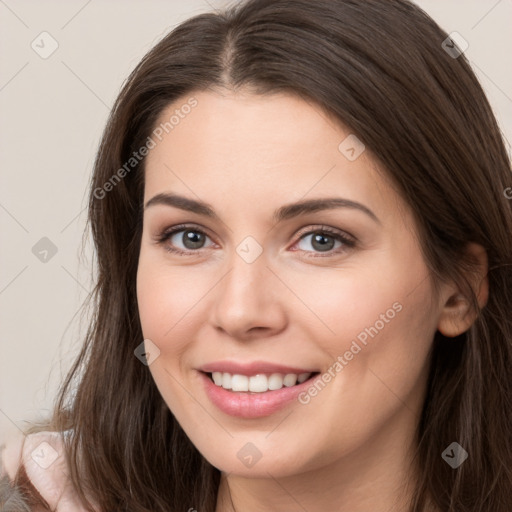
{"points": [[190, 237], [325, 240]]}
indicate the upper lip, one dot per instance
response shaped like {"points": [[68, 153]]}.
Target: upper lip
{"points": [[252, 368]]}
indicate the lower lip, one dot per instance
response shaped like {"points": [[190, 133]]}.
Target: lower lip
{"points": [[252, 405]]}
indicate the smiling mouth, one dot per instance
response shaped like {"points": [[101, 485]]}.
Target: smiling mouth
{"points": [[259, 383]]}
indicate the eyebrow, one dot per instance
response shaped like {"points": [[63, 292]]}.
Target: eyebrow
{"points": [[285, 212]]}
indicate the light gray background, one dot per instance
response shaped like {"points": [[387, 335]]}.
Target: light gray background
{"points": [[53, 112]]}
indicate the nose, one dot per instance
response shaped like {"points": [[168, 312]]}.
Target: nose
{"points": [[250, 300]]}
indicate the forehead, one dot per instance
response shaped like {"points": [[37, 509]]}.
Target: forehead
{"points": [[253, 149], [244, 125]]}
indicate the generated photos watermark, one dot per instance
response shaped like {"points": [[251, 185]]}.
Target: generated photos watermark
{"points": [[356, 346], [138, 156]]}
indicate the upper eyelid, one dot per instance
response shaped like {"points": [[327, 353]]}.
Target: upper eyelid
{"points": [[327, 229], [180, 227]]}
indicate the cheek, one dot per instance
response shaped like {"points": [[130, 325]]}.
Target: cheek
{"points": [[376, 362], [164, 296], [343, 304], [166, 299], [376, 327]]}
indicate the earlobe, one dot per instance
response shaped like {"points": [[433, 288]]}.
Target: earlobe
{"points": [[457, 314]]}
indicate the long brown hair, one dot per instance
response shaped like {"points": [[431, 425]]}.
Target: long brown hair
{"points": [[381, 69]]}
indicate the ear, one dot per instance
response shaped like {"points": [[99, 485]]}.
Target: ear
{"points": [[457, 315]]}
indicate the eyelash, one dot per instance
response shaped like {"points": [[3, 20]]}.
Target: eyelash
{"points": [[347, 241]]}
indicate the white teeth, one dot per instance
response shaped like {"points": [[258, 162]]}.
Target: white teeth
{"points": [[302, 377], [275, 381], [290, 379], [240, 383], [259, 383], [226, 380]]}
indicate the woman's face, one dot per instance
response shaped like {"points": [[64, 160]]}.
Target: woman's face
{"points": [[262, 290]]}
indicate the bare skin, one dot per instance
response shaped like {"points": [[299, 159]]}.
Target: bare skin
{"points": [[349, 447]]}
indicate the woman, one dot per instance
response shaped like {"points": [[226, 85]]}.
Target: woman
{"points": [[304, 246]]}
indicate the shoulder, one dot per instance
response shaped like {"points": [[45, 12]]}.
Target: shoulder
{"points": [[41, 459]]}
